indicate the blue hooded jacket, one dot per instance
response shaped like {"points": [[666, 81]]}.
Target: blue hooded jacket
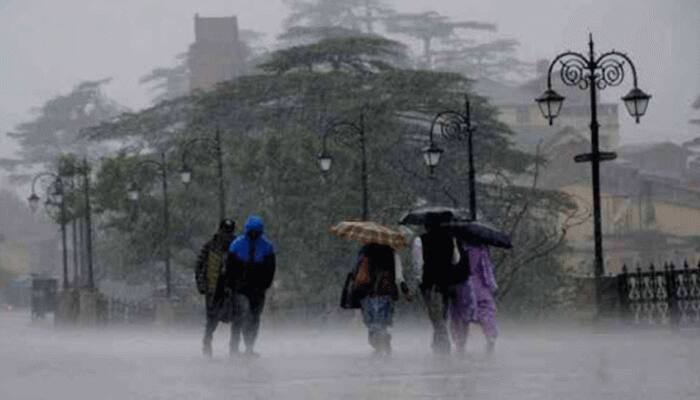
{"points": [[241, 247], [251, 260]]}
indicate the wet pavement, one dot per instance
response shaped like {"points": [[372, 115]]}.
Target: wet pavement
{"points": [[40, 362]]}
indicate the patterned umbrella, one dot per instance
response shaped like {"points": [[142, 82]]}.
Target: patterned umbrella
{"points": [[369, 232]]}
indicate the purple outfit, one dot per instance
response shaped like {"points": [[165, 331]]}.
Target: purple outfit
{"points": [[474, 300]]}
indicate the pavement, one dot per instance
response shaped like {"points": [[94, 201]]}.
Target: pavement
{"points": [[38, 361]]}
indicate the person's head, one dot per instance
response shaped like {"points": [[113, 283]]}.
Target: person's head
{"points": [[227, 226], [433, 221], [254, 227]]}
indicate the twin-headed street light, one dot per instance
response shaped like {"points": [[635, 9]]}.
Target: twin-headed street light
{"points": [[636, 103], [593, 72]]}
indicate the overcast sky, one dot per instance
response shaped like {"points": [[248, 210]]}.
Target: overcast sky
{"points": [[47, 46]]}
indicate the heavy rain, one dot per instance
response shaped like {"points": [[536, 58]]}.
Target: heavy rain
{"points": [[369, 199]]}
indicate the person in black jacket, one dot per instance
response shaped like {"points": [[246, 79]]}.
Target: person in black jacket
{"points": [[208, 272], [435, 256], [250, 269]]}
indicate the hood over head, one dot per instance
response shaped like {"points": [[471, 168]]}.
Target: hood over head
{"points": [[254, 224]]}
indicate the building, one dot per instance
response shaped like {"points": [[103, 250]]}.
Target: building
{"points": [[217, 54], [650, 208], [650, 194]]}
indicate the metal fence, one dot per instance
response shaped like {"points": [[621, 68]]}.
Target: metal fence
{"points": [[129, 312], [661, 296]]}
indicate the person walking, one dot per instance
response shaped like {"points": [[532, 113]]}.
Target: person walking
{"points": [[435, 256], [250, 270], [208, 271], [378, 277], [475, 299]]}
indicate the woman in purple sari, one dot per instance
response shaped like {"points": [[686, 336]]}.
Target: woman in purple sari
{"points": [[474, 299]]}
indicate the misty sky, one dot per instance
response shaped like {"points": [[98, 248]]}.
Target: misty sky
{"points": [[48, 46]]}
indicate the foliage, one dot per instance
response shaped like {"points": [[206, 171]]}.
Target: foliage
{"points": [[57, 126], [350, 14], [495, 60], [358, 53], [429, 26], [271, 133], [168, 83]]}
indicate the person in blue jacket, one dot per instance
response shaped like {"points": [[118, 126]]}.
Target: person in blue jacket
{"points": [[250, 269]]}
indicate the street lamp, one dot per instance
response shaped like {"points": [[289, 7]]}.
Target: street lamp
{"points": [[33, 202], [186, 174], [325, 160], [133, 193], [593, 73], [550, 103], [186, 170], [432, 155], [454, 125], [58, 198], [636, 102]]}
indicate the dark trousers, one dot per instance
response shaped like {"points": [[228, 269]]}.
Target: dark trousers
{"points": [[247, 308], [437, 304], [213, 313]]}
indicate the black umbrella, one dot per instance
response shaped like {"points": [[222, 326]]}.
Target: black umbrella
{"points": [[418, 216], [479, 232]]}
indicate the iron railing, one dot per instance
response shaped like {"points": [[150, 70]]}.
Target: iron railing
{"points": [[665, 296]]}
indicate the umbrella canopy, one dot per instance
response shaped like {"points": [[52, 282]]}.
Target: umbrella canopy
{"points": [[418, 216], [369, 232], [479, 232]]}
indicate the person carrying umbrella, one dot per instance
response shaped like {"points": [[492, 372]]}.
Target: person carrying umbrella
{"points": [[377, 279], [474, 300], [435, 260], [207, 276]]}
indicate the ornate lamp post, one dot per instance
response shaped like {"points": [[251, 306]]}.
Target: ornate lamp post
{"points": [[325, 160], [58, 197], [133, 194], [186, 171], [593, 73], [454, 125]]}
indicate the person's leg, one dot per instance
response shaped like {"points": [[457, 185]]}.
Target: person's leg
{"points": [[461, 314], [369, 317], [209, 328], [238, 313], [437, 312], [385, 320], [251, 325], [487, 320]]}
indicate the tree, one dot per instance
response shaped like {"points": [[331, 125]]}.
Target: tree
{"points": [[349, 14], [272, 124], [430, 26], [696, 105], [168, 83], [359, 53], [493, 60], [56, 129]]}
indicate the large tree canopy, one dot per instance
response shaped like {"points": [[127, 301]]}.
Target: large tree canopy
{"points": [[56, 129], [272, 125]]}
